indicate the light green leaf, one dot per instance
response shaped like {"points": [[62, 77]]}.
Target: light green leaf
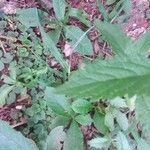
{"points": [[98, 142], [74, 34], [59, 8], [28, 17], [79, 14], [118, 102], [74, 138], [58, 103], [122, 120], [81, 106], [99, 122], [143, 145], [109, 120], [110, 78], [102, 9], [122, 142], [4, 91], [13, 140], [54, 139], [1, 65], [84, 119], [142, 111], [50, 45], [112, 33]]}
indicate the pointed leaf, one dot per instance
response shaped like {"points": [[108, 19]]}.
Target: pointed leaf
{"points": [[110, 78], [74, 139], [81, 106], [54, 139], [59, 8]]}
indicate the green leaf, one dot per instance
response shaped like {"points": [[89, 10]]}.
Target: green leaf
{"points": [[1, 65], [143, 145], [122, 142], [74, 138], [80, 15], [142, 111], [99, 122], [58, 103], [122, 120], [50, 45], [74, 34], [84, 119], [112, 33], [13, 140], [4, 91], [59, 121], [54, 139], [81, 106], [28, 17], [99, 142], [110, 78], [102, 10], [59, 8], [109, 120], [118, 102]]}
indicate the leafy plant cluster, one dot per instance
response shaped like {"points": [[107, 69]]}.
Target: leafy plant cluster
{"points": [[109, 95]]}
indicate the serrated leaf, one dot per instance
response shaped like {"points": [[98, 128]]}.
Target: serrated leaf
{"points": [[99, 122], [118, 102], [109, 120], [54, 139], [74, 34], [74, 138], [122, 142], [58, 103], [59, 8], [81, 106], [4, 91], [13, 140], [84, 119], [112, 33], [142, 110], [98, 142], [122, 120], [110, 78]]}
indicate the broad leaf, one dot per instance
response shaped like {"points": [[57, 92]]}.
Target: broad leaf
{"points": [[75, 34], [74, 139], [58, 103], [59, 8], [118, 102], [28, 17], [99, 122], [99, 143], [81, 106], [54, 139], [109, 120], [84, 119], [13, 140], [122, 142], [110, 78], [122, 120], [142, 110], [4, 91]]}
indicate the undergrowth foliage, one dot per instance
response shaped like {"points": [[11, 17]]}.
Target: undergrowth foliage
{"points": [[111, 96]]}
